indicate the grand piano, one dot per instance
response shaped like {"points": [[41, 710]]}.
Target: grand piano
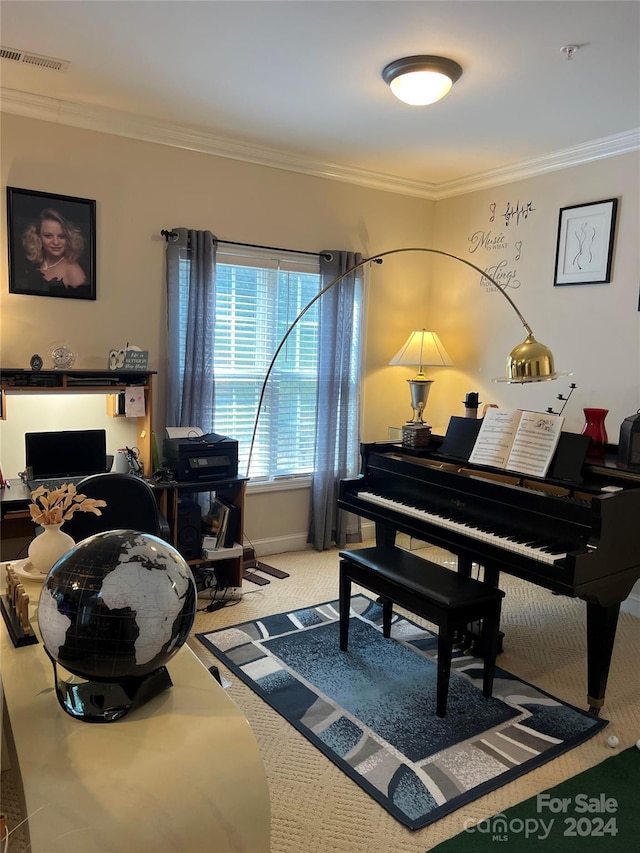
{"points": [[578, 536]]}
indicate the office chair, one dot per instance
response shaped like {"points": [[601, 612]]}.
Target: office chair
{"points": [[131, 505]]}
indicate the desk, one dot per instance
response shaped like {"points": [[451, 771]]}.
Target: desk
{"points": [[182, 773], [16, 527]]}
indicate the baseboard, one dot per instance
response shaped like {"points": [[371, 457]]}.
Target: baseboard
{"points": [[368, 529], [296, 541], [280, 544], [631, 605]]}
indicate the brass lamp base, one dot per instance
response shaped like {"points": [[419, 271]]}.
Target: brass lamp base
{"points": [[419, 395]]}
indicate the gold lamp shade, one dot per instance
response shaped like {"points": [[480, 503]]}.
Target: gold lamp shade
{"points": [[530, 361]]}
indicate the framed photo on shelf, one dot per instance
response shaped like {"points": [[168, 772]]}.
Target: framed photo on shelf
{"points": [[52, 244], [584, 253]]}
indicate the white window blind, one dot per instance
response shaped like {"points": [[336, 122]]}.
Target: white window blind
{"points": [[257, 299]]}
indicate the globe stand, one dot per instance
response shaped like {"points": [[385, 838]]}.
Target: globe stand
{"points": [[107, 701]]}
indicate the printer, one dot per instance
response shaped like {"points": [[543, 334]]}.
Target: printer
{"points": [[202, 457]]}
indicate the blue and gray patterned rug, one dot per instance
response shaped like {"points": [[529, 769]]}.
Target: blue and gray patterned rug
{"points": [[371, 710]]}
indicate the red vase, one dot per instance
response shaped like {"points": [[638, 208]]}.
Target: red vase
{"points": [[594, 427]]}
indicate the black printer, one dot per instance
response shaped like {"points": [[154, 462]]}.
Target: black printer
{"points": [[203, 457]]}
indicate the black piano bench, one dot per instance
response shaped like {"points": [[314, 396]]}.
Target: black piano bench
{"points": [[439, 595]]}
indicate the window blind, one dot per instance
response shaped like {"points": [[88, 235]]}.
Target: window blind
{"points": [[257, 299]]}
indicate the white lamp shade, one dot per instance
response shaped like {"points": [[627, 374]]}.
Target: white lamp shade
{"points": [[422, 349]]}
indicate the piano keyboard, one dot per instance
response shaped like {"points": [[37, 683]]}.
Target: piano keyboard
{"points": [[539, 551]]}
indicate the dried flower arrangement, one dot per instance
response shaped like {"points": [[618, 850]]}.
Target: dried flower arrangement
{"points": [[55, 506]]}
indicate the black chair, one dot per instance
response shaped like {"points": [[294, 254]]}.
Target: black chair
{"points": [[131, 505]]}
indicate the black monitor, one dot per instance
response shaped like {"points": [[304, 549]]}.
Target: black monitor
{"points": [[67, 453]]}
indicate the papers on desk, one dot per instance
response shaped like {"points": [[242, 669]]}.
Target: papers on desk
{"points": [[184, 432], [517, 441]]}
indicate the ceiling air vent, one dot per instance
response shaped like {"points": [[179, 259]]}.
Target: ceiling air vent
{"points": [[33, 59]]}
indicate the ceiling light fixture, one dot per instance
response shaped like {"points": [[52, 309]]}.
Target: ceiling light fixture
{"points": [[421, 80]]}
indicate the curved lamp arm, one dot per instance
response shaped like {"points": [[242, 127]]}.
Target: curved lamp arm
{"points": [[530, 361]]}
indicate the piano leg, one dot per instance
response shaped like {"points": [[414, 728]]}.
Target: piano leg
{"points": [[464, 565], [602, 621], [385, 535]]}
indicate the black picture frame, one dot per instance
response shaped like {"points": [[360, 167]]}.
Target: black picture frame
{"points": [[72, 222], [584, 254]]}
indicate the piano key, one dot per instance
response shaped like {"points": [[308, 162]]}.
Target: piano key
{"points": [[518, 544]]}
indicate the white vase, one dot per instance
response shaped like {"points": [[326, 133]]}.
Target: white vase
{"points": [[47, 548]]}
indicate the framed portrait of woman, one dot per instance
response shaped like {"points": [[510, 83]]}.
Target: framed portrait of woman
{"points": [[52, 244]]}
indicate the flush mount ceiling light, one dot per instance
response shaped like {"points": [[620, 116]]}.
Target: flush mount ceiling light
{"points": [[421, 80]]}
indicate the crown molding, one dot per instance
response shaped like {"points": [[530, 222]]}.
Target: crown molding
{"points": [[608, 146], [107, 120]]}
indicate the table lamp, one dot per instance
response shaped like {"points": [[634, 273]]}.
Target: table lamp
{"points": [[421, 349]]}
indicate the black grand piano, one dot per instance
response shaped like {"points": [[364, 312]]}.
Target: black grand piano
{"points": [[579, 537]]}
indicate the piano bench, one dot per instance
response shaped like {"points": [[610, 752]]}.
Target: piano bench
{"points": [[439, 595]]}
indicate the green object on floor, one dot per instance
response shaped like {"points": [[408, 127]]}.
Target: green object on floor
{"points": [[593, 812]]}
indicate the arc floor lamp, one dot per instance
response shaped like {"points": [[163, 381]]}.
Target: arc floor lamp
{"points": [[529, 361]]}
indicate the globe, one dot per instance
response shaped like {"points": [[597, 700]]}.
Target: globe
{"points": [[114, 610]]}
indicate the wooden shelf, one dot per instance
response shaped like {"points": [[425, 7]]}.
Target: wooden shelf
{"points": [[229, 567], [16, 380]]}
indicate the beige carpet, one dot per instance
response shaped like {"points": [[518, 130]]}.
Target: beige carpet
{"points": [[315, 808]]}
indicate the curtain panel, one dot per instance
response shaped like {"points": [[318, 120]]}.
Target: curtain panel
{"points": [[338, 416], [191, 328]]}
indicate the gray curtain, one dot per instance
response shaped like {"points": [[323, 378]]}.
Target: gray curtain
{"points": [[191, 276], [338, 417]]}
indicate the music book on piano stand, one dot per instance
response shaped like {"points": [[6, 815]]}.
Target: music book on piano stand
{"points": [[517, 440]]}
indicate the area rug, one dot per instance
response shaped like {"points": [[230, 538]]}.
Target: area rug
{"points": [[597, 810], [371, 710]]}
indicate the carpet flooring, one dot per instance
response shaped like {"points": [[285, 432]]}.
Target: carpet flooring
{"points": [[371, 710], [315, 807]]}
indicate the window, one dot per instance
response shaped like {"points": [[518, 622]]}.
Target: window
{"points": [[257, 299]]}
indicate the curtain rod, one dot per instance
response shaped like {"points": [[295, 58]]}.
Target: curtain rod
{"points": [[169, 235]]}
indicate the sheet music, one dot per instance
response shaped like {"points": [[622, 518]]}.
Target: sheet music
{"points": [[517, 441], [534, 443], [495, 438]]}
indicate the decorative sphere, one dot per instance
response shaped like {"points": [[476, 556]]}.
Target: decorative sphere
{"points": [[613, 741], [118, 605]]}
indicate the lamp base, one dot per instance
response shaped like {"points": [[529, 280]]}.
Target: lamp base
{"points": [[419, 395]]}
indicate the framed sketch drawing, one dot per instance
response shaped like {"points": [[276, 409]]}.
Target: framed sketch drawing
{"points": [[585, 243], [52, 244]]}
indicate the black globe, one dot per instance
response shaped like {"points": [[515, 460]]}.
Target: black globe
{"points": [[119, 605]]}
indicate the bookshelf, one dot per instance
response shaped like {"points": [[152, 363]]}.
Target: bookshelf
{"points": [[228, 562]]}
